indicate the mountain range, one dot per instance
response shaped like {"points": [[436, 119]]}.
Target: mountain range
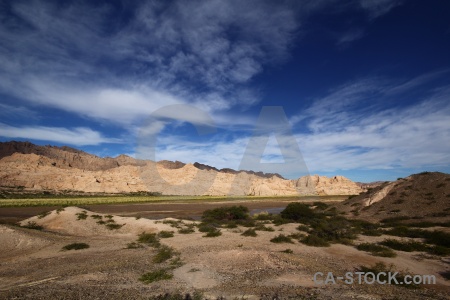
{"points": [[32, 168]]}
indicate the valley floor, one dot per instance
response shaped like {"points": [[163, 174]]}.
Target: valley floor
{"points": [[33, 265]]}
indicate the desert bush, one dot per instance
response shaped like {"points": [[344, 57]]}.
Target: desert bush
{"points": [[298, 211], [367, 228], [43, 214], [101, 222], [263, 216], [82, 215], [250, 232], [224, 214], [109, 216], [114, 226], [336, 229], [98, 217], [33, 225], [207, 227], [289, 251], [381, 272], [149, 238], [186, 230], [281, 238], [315, 241], [320, 205], [164, 253], [173, 223], [75, 246], [407, 246], [445, 274], [262, 227], [165, 234], [60, 209], [157, 275], [134, 245], [376, 250], [213, 233], [303, 228]]}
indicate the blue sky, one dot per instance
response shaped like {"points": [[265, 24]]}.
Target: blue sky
{"points": [[364, 84]]}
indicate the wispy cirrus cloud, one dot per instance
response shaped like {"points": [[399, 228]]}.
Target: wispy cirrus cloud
{"points": [[80, 136]]}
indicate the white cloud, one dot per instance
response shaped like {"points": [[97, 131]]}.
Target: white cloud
{"points": [[377, 8], [79, 136]]}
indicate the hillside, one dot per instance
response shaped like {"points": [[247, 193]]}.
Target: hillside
{"points": [[415, 198], [31, 168]]}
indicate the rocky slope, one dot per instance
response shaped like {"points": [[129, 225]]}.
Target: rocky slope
{"points": [[417, 197], [48, 168]]}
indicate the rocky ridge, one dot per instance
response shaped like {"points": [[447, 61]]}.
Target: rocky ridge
{"points": [[48, 168]]}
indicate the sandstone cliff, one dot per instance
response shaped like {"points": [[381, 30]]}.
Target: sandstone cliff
{"points": [[56, 169]]}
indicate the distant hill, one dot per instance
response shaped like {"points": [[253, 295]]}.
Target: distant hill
{"points": [[417, 197], [26, 167]]}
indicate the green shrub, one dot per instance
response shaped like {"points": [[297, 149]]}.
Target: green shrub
{"points": [[315, 241], [213, 233], [75, 246], [60, 209], [33, 225], [114, 226], [281, 238], [134, 245], [376, 250], [445, 274], [289, 251], [98, 217], [381, 272], [149, 238], [164, 253], [297, 211], [222, 214], [303, 228], [206, 227], [407, 246], [262, 227], [320, 205], [43, 214], [186, 230], [101, 222], [250, 232], [82, 215], [165, 234], [263, 216], [156, 276]]}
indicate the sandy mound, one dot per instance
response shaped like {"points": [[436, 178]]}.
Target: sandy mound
{"points": [[79, 222], [18, 241]]}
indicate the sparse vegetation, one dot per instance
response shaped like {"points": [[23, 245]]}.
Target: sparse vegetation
{"points": [[381, 272], [43, 214], [75, 246], [157, 275], [376, 250], [33, 225], [213, 233], [281, 238], [60, 209], [250, 232], [165, 234], [289, 251], [97, 217], [82, 215], [164, 253], [315, 241], [114, 226], [134, 245], [149, 239], [186, 230]]}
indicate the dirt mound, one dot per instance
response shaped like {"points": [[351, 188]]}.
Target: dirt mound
{"points": [[79, 222], [418, 197]]}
